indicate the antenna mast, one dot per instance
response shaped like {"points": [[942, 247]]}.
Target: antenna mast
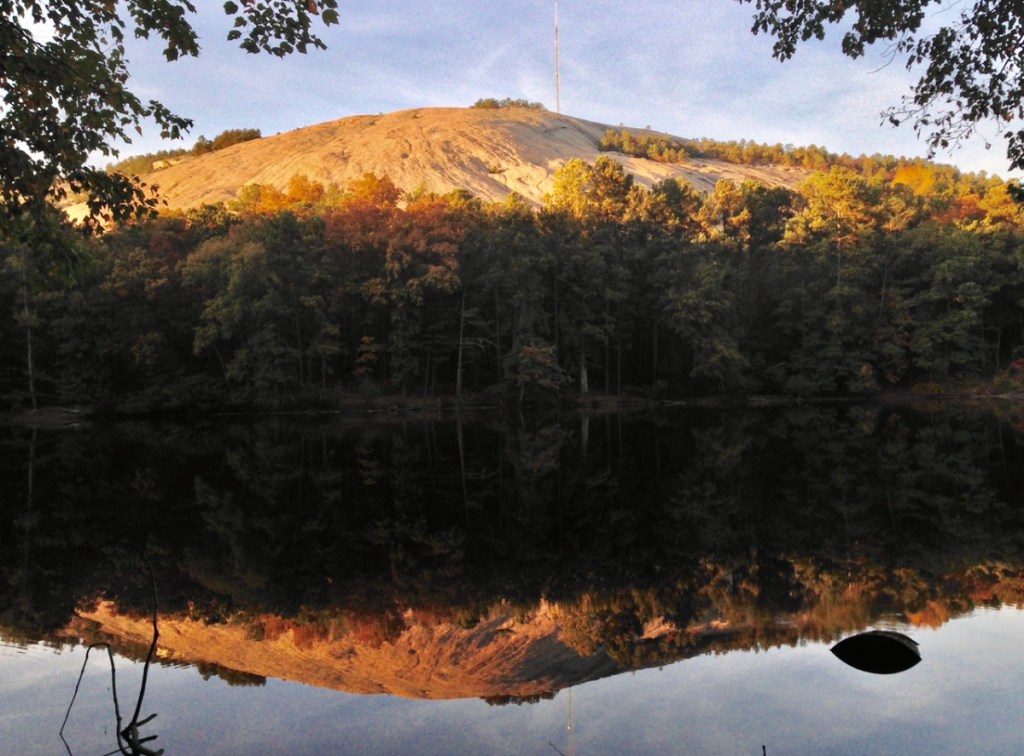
{"points": [[558, 83]]}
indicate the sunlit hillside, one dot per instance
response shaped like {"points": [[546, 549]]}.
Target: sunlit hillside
{"points": [[489, 152]]}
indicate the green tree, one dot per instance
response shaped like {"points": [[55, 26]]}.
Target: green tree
{"points": [[742, 226], [701, 310], [952, 293], [839, 216], [31, 272], [224, 140], [661, 225], [843, 267], [509, 273], [261, 313]]}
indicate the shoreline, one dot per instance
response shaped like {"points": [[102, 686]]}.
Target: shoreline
{"points": [[58, 417]]}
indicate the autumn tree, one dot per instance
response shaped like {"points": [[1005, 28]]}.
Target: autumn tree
{"points": [[357, 233], [301, 196], [583, 218], [421, 269], [373, 190]]}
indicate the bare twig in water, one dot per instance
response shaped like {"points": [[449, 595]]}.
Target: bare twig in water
{"points": [[129, 740]]}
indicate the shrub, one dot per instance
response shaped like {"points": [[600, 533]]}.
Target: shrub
{"points": [[492, 103]]}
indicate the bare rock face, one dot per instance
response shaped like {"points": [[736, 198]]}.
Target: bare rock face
{"points": [[490, 153]]}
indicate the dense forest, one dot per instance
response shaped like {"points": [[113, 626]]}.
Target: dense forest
{"points": [[905, 275]]}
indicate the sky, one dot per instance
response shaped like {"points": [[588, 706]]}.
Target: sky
{"points": [[691, 68]]}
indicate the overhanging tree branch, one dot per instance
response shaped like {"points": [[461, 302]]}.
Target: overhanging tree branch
{"points": [[970, 67], [64, 86]]}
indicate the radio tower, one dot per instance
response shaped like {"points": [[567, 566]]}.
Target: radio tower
{"points": [[558, 83]]}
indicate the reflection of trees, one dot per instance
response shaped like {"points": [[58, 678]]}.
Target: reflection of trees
{"points": [[654, 539]]}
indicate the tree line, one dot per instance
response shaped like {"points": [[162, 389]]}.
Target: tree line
{"points": [[143, 164], [668, 149], [493, 103], [307, 294]]}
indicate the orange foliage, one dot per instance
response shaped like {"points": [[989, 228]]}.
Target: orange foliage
{"points": [[302, 195], [259, 199], [1000, 207], [307, 636], [364, 219], [934, 614], [360, 226], [274, 627], [962, 211], [374, 190], [375, 630], [303, 191], [920, 178]]}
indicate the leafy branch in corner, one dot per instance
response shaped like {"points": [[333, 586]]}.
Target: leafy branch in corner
{"points": [[968, 59], [64, 78]]}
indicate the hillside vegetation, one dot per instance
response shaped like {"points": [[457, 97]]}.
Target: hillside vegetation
{"points": [[666, 149], [148, 162], [848, 284]]}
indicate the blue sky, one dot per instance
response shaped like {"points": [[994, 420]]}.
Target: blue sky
{"points": [[686, 67]]}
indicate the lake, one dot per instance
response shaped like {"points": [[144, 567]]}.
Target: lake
{"points": [[660, 581]]}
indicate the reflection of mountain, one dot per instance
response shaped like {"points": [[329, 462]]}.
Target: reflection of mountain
{"points": [[527, 654], [501, 657], [398, 557]]}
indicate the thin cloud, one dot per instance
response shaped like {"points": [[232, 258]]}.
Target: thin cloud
{"points": [[691, 68]]}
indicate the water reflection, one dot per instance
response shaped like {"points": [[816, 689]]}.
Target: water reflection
{"points": [[507, 562]]}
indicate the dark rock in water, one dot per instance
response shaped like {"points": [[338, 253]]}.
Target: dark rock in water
{"points": [[881, 652]]}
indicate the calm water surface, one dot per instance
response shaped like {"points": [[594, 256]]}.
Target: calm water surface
{"points": [[663, 585], [966, 696]]}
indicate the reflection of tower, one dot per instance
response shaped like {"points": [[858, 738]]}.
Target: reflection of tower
{"points": [[558, 83], [572, 732]]}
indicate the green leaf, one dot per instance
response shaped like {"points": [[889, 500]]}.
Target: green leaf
{"points": [[230, 8]]}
